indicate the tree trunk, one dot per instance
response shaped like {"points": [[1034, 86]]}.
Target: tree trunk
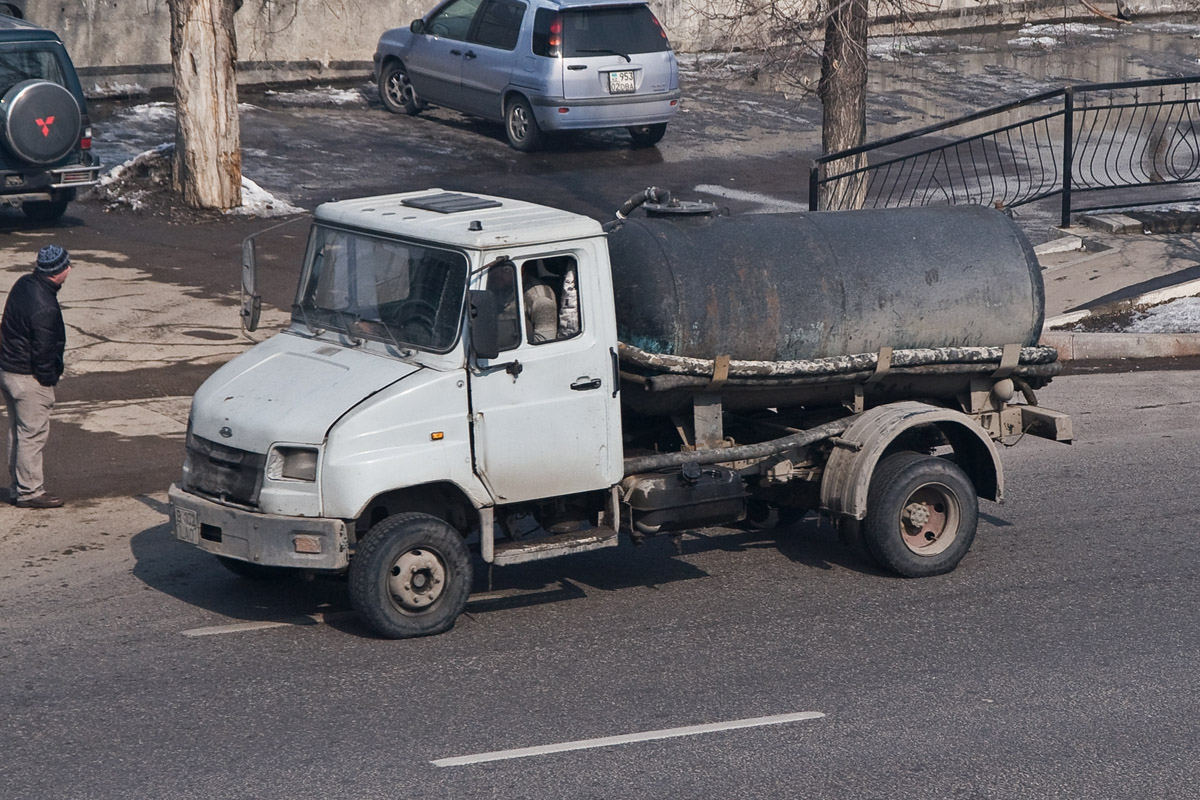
{"points": [[208, 151], [843, 93]]}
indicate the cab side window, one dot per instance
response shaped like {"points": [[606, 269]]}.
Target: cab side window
{"points": [[454, 21], [499, 24], [550, 291]]}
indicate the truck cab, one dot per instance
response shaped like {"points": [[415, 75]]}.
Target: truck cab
{"points": [[374, 401]]}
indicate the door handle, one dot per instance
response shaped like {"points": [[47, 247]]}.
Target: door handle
{"points": [[456, 52], [584, 384], [470, 54]]}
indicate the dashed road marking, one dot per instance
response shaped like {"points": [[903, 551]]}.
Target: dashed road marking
{"points": [[239, 627], [629, 738]]}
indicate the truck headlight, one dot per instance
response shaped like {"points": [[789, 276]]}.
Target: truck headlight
{"points": [[292, 463]]}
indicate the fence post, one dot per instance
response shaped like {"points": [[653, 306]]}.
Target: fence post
{"points": [[1068, 152], [814, 184]]}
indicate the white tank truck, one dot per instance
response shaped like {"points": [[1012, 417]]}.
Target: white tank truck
{"points": [[471, 380]]}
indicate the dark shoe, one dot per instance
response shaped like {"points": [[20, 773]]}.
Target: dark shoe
{"points": [[42, 500]]}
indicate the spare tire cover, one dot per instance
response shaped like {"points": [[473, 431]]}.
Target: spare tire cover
{"points": [[39, 121]]}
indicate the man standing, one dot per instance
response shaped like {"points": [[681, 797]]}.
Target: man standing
{"points": [[32, 341]]}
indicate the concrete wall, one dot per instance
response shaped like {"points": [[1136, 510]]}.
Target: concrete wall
{"points": [[124, 45]]}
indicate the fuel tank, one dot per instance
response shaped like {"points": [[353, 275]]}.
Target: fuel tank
{"points": [[776, 287]]}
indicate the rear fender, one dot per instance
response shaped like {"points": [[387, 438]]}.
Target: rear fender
{"points": [[859, 449]]}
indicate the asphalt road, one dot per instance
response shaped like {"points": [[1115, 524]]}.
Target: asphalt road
{"points": [[1058, 661]]}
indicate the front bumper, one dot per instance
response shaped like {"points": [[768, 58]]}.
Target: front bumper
{"points": [[267, 539]]}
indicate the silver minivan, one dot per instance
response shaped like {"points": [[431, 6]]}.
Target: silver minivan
{"points": [[536, 65]]}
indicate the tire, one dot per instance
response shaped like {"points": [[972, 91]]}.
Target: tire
{"points": [[410, 576], [520, 125], [396, 92], [647, 135], [922, 513], [255, 572]]}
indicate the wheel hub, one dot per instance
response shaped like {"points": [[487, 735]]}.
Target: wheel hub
{"points": [[929, 521], [418, 579]]}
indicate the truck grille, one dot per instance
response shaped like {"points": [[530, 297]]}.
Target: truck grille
{"points": [[224, 473]]}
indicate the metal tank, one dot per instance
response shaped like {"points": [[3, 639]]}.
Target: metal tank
{"points": [[776, 287]]}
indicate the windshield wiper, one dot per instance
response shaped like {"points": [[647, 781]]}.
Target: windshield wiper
{"points": [[609, 52]]}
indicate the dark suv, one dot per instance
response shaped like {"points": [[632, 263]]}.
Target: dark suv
{"points": [[45, 132]]}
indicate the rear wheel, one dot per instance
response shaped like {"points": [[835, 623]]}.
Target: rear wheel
{"points": [[922, 513], [396, 92], [647, 135], [521, 126], [45, 210], [410, 576]]}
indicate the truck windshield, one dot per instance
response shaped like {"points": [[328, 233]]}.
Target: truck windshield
{"points": [[382, 288]]}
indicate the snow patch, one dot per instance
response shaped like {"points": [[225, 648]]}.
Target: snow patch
{"points": [[319, 96], [140, 182], [1034, 41], [258, 202], [1177, 316]]}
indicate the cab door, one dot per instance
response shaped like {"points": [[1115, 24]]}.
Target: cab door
{"points": [[545, 413]]}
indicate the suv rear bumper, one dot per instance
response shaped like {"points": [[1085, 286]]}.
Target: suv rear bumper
{"points": [[27, 186], [617, 111]]}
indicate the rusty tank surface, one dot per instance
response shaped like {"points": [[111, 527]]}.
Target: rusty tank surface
{"points": [[779, 287], [828, 308]]}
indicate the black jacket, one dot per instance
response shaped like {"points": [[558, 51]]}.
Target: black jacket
{"points": [[32, 334]]}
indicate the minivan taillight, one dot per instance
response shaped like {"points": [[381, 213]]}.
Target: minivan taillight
{"points": [[85, 141], [555, 39]]}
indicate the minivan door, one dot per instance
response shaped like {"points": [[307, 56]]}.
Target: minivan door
{"points": [[545, 413], [435, 60], [490, 57]]}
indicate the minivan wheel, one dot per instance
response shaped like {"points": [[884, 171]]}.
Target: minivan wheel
{"points": [[521, 126], [397, 92], [647, 135]]}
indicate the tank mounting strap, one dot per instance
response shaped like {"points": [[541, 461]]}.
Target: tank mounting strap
{"points": [[720, 373], [1010, 359], [883, 364]]}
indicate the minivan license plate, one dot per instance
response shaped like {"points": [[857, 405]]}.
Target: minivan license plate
{"points": [[620, 82]]}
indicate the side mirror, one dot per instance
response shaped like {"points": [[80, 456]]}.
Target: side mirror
{"points": [[485, 327], [417, 26], [251, 301]]}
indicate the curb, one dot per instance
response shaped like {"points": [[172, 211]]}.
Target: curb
{"points": [[1099, 346]]}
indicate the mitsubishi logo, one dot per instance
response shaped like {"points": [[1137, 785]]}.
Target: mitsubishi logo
{"points": [[45, 125]]}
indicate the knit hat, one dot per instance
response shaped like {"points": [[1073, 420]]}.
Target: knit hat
{"points": [[52, 260]]}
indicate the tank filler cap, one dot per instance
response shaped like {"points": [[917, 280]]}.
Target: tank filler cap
{"points": [[679, 208]]}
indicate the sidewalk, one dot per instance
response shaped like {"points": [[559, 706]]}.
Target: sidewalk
{"points": [[1104, 268]]}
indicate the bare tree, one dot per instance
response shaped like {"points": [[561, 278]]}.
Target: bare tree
{"points": [[208, 151], [788, 35]]}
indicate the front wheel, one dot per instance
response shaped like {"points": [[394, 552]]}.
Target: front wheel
{"points": [[647, 135], [396, 91], [410, 576], [521, 126], [922, 513]]}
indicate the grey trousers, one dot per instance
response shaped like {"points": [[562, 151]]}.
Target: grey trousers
{"points": [[29, 405]]}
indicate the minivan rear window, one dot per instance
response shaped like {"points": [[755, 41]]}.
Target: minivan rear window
{"points": [[585, 32]]}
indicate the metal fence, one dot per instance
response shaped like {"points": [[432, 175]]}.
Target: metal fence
{"points": [[1085, 139]]}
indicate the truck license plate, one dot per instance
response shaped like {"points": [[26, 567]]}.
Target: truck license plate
{"points": [[620, 82], [187, 526]]}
